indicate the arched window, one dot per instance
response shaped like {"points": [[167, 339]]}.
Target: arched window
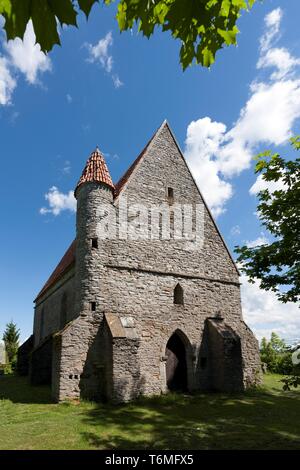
{"points": [[178, 295], [63, 310]]}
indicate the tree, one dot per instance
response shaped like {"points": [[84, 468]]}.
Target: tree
{"points": [[11, 337], [202, 26], [268, 355], [276, 355], [277, 263], [277, 344]]}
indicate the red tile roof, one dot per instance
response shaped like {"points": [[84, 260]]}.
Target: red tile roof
{"points": [[65, 263], [123, 180], [95, 170]]}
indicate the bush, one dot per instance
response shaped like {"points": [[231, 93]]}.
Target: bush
{"points": [[8, 369], [276, 355]]}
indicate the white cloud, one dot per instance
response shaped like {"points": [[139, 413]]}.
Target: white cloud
{"points": [[235, 230], [26, 56], [7, 82], [261, 240], [215, 154], [69, 98], [67, 167], [281, 59], [58, 202], [264, 313], [100, 53], [23, 57], [203, 139], [261, 184], [116, 81], [272, 28]]}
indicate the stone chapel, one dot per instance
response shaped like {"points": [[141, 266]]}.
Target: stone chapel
{"points": [[121, 317]]}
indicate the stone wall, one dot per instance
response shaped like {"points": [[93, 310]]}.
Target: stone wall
{"points": [[148, 299], [78, 360], [163, 166], [251, 357], [128, 374], [41, 363], [24, 352], [48, 309], [136, 279], [225, 357]]}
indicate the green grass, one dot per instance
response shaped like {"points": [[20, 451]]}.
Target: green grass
{"points": [[267, 418]]}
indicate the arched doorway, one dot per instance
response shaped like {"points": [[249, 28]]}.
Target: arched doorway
{"points": [[176, 366]]}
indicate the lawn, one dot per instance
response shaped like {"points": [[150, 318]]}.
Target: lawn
{"points": [[267, 418]]}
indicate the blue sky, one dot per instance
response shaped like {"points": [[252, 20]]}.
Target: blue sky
{"points": [[114, 90]]}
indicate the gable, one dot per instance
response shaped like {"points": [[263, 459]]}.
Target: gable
{"points": [[162, 165]]}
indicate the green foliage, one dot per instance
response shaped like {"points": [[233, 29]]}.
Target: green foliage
{"points": [[266, 418], [294, 380], [202, 26], [277, 264], [11, 337], [8, 369], [276, 355], [291, 382]]}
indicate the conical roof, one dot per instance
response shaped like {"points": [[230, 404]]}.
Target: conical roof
{"points": [[96, 171]]}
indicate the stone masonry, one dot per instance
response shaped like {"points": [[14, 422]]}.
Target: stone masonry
{"points": [[109, 311]]}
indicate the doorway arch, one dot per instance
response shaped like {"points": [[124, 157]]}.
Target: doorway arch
{"points": [[176, 364]]}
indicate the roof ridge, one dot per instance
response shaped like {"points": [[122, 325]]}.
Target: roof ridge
{"points": [[125, 177]]}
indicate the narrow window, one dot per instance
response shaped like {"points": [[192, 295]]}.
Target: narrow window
{"points": [[178, 295], [170, 195], [94, 242], [172, 224], [93, 306]]}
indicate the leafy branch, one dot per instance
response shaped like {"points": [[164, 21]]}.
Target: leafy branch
{"points": [[202, 26]]}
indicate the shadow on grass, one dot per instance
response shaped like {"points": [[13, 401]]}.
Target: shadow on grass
{"points": [[18, 390], [256, 420], [259, 419]]}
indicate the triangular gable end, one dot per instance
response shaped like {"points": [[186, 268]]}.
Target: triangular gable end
{"points": [[135, 165]]}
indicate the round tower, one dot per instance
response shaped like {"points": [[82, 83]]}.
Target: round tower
{"points": [[94, 189]]}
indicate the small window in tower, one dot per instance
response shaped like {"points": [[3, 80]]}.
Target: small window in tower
{"points": [[93, 306], [94, 242], [178, 295], [170, 195]]}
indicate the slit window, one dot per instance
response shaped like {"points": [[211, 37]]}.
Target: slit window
{"points": [[178, 295], [93, 306], [94, 242], [170, 195]]}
